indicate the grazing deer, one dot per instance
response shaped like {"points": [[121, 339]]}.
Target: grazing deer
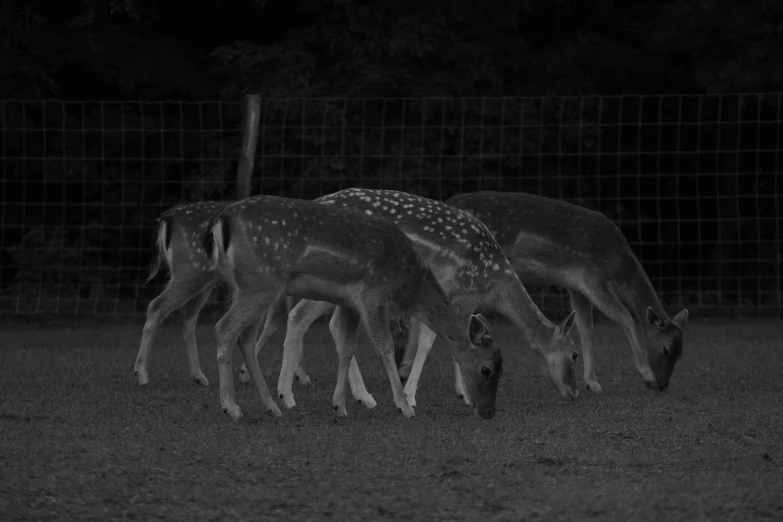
{"points": [[559, 243], [266, 247], [472, 270], [178, 245]]}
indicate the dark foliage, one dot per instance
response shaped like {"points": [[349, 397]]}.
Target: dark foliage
{"points": [[693, 181]]}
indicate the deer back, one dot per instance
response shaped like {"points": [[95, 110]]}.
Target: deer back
{"points": [[459, 249], [546, 235], [318, 251]]}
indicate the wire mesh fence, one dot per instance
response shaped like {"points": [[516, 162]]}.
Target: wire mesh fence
{"points": [[692, 181]]}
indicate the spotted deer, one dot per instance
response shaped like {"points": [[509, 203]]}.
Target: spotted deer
{"points": [[178, 246], [265, 247], [567, 245], [472, 270]]}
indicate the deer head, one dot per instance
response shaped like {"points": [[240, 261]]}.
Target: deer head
{"points": [[663, 342]]}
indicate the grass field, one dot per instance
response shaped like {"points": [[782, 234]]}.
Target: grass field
{"points": [[80, 441]]}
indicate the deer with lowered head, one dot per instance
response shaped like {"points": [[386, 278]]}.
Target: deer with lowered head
{"points": [[473, 272], [266, 247], [178, 247], [556, 242]]}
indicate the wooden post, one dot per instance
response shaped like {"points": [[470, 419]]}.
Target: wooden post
{"points": [[247, 154]]}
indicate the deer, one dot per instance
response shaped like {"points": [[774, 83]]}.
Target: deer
{"points": [[555, 242], [178, 246], [266, 247], [472, 270]]}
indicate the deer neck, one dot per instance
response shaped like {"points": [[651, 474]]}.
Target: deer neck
{"points": [[436, 311], [530, 320], [642, 295]]}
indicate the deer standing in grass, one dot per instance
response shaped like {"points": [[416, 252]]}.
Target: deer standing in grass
{"points": [[266, 247], [178, 245], [472, 270], [559, 243]]}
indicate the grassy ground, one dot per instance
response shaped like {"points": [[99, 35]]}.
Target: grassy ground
{"points": [[80, 441]]}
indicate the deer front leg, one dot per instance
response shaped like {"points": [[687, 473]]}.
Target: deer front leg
{"points": [[358, 389], [409, 353], [459, 385], [584, 323], [426, 339], [377, 324], [355, 379], [632, 332], [344, 327]]}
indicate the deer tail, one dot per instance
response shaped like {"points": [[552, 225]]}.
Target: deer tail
{"points": [[161, 251], [216, 238]]}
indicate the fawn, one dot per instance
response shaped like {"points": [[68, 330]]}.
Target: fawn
{"points": [[472, 270], [178, 246], [266, 247]]}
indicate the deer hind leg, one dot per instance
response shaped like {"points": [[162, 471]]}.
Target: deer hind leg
{"points": [[376, 321], [178, 291], [584, 323], [241, 316], [189, 319], [299, 320], [344, 327], [426, 339], [275, 315], [608, 302], [247, 342]]}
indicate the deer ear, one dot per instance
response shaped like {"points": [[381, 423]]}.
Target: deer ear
{"points": [[564, 328], [654, 319], [478, 329], [681, 319]]}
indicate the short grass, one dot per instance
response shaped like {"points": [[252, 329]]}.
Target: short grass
{"points": [[80, 441]]}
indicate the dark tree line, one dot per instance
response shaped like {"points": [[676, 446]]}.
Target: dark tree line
{"points": [[102, 168], [157, 49]]}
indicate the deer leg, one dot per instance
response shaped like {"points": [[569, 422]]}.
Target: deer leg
{"points": [[273, 317], [584, 323], [634, 335], [459, 385], [411, 346], [189, 319], [242, 315], [358, 389], [299, 320], [174, 296], [247, 342], [613, 308], [344, 327], [355, 379], [425, 341], [376, 322]]}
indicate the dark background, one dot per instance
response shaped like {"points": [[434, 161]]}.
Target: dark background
{"points": [[646, 112]]}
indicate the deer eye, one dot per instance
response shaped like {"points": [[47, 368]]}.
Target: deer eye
{"points": [[486, 371], [666, 351], [574, 355]]}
